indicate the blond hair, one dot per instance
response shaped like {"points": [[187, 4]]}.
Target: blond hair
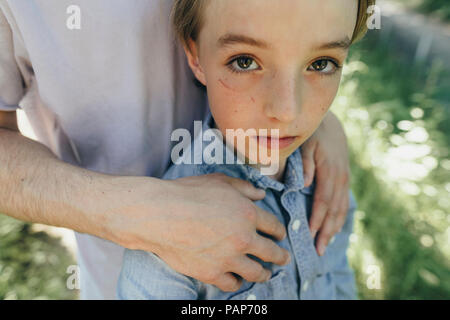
{"points": [[361, 22], [187, 19]]}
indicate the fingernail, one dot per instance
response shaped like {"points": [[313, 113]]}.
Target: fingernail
{"points": [[288, 260], [332, 239], [306, 179], [313, 233], [321, 249]]}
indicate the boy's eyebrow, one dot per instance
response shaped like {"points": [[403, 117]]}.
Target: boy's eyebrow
{"points": [[231, 38], [344, 43]]}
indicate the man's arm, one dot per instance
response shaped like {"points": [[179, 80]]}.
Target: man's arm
{"points": [[170, 218], [24, 165]]}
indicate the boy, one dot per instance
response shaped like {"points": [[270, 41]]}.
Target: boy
{"points": [[274, 68]]}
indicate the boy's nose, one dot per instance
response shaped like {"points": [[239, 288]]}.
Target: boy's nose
{"points": [[283, 100]]}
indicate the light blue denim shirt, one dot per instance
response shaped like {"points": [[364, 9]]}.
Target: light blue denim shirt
{"points": [[308, 276]]}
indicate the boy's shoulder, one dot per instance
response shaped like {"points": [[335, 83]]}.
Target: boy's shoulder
{"points": [[176, 171], [192, 162], [182, 170]]}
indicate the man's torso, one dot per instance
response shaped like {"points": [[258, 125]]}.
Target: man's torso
{"points": [[105, 97]]}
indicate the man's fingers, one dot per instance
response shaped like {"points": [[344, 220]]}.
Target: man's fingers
{"points": [[269, 224], [309, 165], [246, 188], [340, 194], [228, 282], [332, 225], [343, 211], [322, 201], [328, 228], [325, 234], [268, 251], [250, 270], [318, 215]]}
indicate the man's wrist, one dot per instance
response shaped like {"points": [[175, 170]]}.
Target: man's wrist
{"points": [[95, 199], [116, 204], [71, 198]]}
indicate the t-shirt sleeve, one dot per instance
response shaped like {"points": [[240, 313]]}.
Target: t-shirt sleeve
{"points": [[11, 83], [144, 276]]}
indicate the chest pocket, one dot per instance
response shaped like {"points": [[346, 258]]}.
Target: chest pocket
{"points": [[276, 288]]}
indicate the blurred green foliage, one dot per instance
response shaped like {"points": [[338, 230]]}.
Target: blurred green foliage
{"points": [[32, 264], [438, 8], [396, 115]]}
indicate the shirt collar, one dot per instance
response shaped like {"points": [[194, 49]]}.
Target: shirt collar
{"points": [[293, 177]]}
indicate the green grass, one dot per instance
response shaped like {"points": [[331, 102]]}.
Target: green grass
{"points": [[397, 121], [32, 264]]}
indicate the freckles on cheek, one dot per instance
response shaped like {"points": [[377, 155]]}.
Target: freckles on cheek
{"points": [[236, 84], [324, 104], [324, 95], [227, 97], [232, 95], [225, 85], [234, 98]]}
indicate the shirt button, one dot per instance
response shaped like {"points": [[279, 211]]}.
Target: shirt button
{"points": [[305, 285], [296, 225], [251, 297]]}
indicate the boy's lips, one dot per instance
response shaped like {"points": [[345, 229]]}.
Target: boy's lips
{"points": [[282, 142]]}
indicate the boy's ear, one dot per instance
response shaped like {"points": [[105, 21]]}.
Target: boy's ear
{"points": [[194, 62]]}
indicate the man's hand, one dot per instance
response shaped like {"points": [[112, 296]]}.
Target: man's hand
{"points": [[325, 155], [202, 227]]}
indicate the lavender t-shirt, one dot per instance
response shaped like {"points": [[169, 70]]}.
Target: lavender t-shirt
{"points": [[103, 85]]}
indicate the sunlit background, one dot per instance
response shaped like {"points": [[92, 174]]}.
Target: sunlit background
{"points": [[394, 103]]}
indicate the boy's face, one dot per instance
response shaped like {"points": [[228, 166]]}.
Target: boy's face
{"points": [[273, 64]]}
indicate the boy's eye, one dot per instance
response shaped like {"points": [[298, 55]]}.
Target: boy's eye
{"points": [[326, 66], [243, 64]]}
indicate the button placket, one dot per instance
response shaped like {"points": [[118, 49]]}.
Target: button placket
{"points": [[305, 286], [301, 241], [251, 297], [296, 225]]}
